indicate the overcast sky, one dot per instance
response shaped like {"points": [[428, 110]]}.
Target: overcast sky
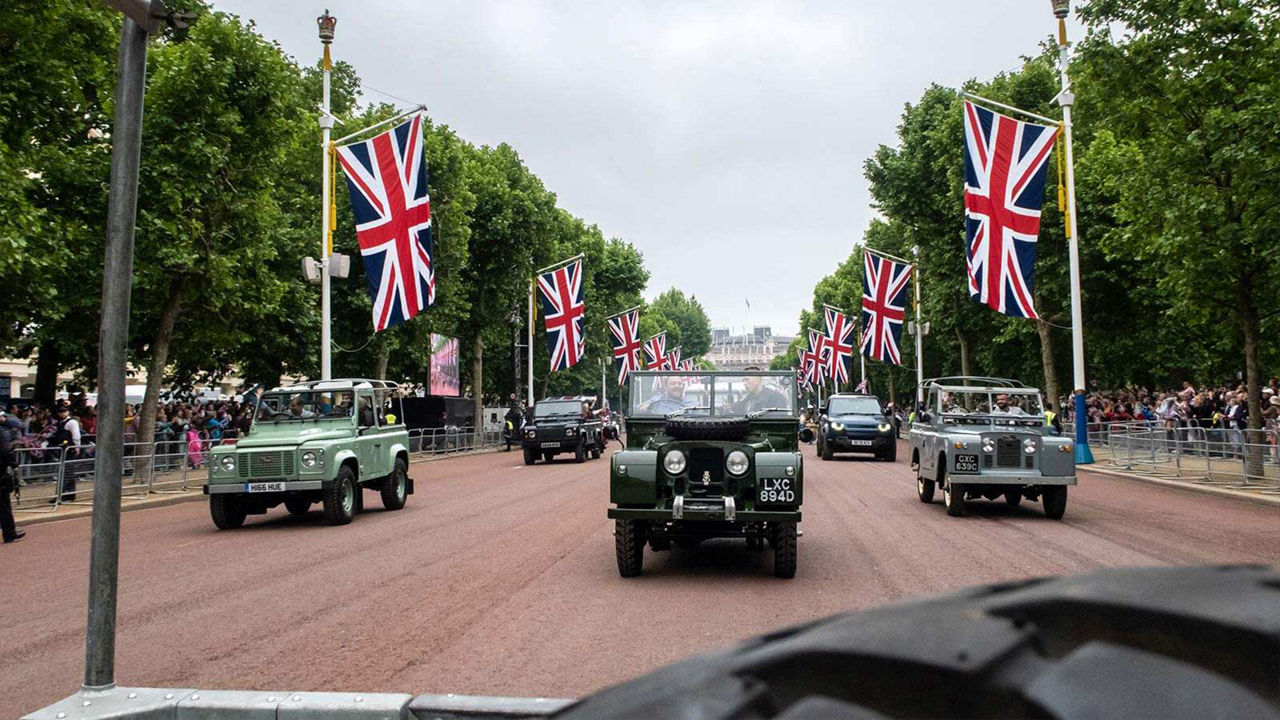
{"points": [[724, 139]]}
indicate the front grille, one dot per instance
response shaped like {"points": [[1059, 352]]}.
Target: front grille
{"points": [[706, 472], [268, 464], [1008, 452]]}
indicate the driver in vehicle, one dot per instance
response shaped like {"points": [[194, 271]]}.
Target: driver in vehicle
{"points": [[951, 405], [672, 397], [1004, 408], [759, 396], [297, 410]]}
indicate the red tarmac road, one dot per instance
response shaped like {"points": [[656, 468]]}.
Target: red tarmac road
{"points": [[500, 579]]}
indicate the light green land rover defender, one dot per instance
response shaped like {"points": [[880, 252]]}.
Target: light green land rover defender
{"points": [[315, 442]]}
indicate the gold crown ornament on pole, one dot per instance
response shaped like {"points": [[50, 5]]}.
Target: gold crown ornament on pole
{"points": [[327, 24], [1061, 8]]}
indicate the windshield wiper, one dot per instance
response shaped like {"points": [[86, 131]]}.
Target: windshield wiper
{"points": [[757, 413], [681, 411]]}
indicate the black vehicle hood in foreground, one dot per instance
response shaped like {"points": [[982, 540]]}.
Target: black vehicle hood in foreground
{"points": [[1169, 643]]}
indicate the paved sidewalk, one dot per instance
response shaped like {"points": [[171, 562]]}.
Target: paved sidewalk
{"points": [[195, 491]]}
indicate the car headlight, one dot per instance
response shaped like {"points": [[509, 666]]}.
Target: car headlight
{"points": [[884, 427], [736, 463], [1029, 446], [837, 426], [571, 431], [228, 462], [988, 446], [309, 459], [530, 434], [961, 445], [674, 462]]}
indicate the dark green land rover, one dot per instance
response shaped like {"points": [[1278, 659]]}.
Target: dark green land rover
{"points": [[709, 455]]}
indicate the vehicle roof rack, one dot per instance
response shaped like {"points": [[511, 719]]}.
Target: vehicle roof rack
{"points": [[980, 379], [341, 384]]}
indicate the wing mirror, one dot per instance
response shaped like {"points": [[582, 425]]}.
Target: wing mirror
{"points": [[806, 435]]}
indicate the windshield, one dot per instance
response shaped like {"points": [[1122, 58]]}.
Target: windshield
{"points": [[282, 406], [988, 402], [853, 406], [552, 408], [721, 394]]}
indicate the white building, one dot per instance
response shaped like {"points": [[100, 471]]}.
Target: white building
{"points": [[757, 348]]}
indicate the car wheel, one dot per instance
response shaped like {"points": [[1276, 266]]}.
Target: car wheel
{"points": [[297, 505], [395, 489], [784, 550], [1013, 498], [953, 498], [628, 540], [530, 456], [1054, 498], [825, 451], [227, 512], [595, 451], [580, 453], [891, 455], [546, 456], [924, 489], [340, 498]]}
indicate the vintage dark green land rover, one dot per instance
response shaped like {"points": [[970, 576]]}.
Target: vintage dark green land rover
{"points": [[709, 455]]}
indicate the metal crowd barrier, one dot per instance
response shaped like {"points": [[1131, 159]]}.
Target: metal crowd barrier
{"points": [[49, 477]]}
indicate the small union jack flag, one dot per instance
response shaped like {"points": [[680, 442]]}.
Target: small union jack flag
{"points": [[689, 365], [884, 305], [561, 291], [627, 348], [387, 177], [1005, 162], [673, 359], [655, 350], [839, 342], [819, 357]]}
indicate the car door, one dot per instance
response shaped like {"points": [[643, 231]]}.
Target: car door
{"points": [[368, 442]]}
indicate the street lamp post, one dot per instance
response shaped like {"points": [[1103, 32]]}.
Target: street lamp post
{"points": [[327, 24], [1061, 9]]}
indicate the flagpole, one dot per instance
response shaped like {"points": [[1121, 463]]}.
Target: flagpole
{"points": [[1061, 8], [327, 25], [529, 400], [919, 335]]}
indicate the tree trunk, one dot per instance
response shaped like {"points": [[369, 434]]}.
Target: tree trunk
{"points": [[1045, 331], [47, 363], [155, 373], [964, 352], [384, 355], [1249, 324], [477, 386]]}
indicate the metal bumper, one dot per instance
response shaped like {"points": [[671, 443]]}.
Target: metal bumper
{"points": [[686, 513], [989, 478], [560, 445], [844, 442], [238, 487]]}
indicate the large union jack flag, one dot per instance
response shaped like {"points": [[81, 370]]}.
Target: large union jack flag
{"points": [[1005, 162], [839, 345], [387, 177], [655, 351], [819, 357], [561, 292], [884, 305], [808, 371], [627, 348]]}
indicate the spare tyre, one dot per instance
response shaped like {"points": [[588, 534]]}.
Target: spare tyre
{"points": [[707, 428]]}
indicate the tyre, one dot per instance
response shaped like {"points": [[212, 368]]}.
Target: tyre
{"points": [[1013, 498], [546, 456], [628, 540], [824, 451], [953, 498], [395, 488], [595, 450], [297, 505], [891, 455], [924, 490], [340, 498], [227, 512], [784, 550], [1054, 498], [530, 456], [707, 428], [580, 453]]}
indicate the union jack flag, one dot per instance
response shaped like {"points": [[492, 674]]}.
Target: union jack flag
{"points": [[808, 370], [689, 365], [655, 350], [1005, 162], [673, 359], [839, 344], [387, 177], [884, 306], [561, 291], [627, 348], [819, 357]]}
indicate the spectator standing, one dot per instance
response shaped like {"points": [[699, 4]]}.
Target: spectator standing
{"points": [[66, 437], [9, 428]]}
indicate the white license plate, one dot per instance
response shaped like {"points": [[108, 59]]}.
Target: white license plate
{"points": [[264, 487], [551, 445], [860, 443]]}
